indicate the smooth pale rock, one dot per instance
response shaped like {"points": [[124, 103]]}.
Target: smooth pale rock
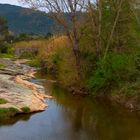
{"points": [[20, 96], [17, 90]]}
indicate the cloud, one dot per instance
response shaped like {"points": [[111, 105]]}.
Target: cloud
{"points": [[13, 2]]}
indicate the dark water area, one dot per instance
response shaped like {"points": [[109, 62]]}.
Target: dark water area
{"points": [[72, 118]]}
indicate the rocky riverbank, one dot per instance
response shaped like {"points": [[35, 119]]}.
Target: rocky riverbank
{"points": [[17, 93]]}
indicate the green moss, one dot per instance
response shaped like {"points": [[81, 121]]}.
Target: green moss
{"points": [[34, 63], [25, 109], [4, 55], [2, 101], [2, 66], [7, 112]]}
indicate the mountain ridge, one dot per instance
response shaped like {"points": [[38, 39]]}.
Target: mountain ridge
{"points": [[25, 20]]}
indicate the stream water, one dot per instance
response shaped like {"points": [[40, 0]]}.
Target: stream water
{"points": [[73, 118]]}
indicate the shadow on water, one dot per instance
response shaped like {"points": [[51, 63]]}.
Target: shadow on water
{"points": [[97, 119], [73, 118], [13, 120]]}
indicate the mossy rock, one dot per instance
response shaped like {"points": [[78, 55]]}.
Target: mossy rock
{"points": [[3, 101], [7, 112], [2, 66], [25, 109]]}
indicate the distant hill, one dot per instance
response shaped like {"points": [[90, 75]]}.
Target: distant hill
{"points": [[23, 20]]}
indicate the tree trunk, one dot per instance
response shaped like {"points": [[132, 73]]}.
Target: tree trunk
{"points": [[113, 28], [99, 28], [76, 52]]}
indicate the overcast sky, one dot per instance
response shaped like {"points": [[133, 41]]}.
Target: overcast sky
{"points": [[13, 2]]}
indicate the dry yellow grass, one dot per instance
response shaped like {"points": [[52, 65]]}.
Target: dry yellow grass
{"points": [[57, 46], [53, 45], [50, 45], [31, 44]]}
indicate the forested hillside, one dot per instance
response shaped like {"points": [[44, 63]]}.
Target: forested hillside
{"points": [[23, 20]]}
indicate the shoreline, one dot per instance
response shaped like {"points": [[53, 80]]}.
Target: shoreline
{"points": [[21, 95]]}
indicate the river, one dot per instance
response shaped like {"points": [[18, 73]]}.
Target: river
{"points": [[73, 118]]}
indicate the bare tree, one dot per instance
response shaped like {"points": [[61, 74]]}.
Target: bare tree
{"points": [[95, 9], [114, 26], [65, 12]]}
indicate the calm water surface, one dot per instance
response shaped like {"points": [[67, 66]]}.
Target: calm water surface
{"points": [[73, 118]]}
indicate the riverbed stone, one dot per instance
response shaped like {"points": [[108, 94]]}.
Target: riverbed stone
{"points": [[17, 90]]}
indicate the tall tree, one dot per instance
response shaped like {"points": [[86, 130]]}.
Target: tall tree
{"points": [[95, 13], [112, 22], [67, 14]]}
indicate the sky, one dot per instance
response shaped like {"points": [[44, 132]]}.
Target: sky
{"points": [[13, 2]]}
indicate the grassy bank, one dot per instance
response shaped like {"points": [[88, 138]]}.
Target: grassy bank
{"points": [[98, 56], [7, 112], [118, 71]]}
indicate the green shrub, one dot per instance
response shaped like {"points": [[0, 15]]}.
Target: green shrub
{"points": [[4, 47], [7, 112], [56, 58], [27, 54], [25, 109], [34, 62], [5, 55], [6, 50], [116, 69]]}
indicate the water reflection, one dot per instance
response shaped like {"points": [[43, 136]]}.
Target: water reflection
{"points": [[13, 120], [97, 120], [73, 118]]}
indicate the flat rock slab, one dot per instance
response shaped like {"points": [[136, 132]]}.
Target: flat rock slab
{"points": [[18, 95], [17, 91]]}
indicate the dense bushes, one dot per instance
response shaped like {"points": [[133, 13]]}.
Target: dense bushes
{"points": [[102, 54], [5, 47], [115, 70], [57, 56], [99, 75], [6, 50]]}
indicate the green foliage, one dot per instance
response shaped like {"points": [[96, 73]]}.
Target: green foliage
{"points": [[132, 88], [121, 64], [28, 54], [23, 36], [48, 35], [56, 58], [5, 48], [25, 109], [4, 55], [2, 101], [7, 112], [3, 28], [34, 62], [88, 60], [2, 66], [113, 71]]}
